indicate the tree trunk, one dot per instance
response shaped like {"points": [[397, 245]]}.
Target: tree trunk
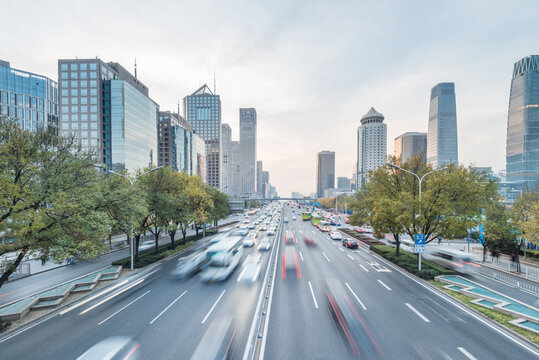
{"points": [[484, 252], [110, 241], [397, 244], [184, 231], [172, 235], [137, 241], [157, 241], [196, 232], [11, 269]]}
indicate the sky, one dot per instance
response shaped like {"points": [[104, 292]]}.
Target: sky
{"points": [[311, 68]]}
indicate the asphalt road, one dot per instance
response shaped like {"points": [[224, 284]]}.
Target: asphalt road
{"points": [[398, 317]]}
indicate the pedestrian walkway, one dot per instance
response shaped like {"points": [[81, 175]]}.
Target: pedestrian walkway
{"points": [[527, 316], [56, 295]]}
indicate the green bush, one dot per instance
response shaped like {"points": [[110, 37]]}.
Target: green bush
{"points": [[149, 256], [532, 254]]}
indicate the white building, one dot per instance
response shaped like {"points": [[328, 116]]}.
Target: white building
{"points": [[371, 144], [226, 139], [248, 151]]}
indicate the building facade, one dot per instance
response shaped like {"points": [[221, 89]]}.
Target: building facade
{"points": [[371, 145], [411, 144], [248, 151], [325, 172], [235, 172], [259, 169], [109, 111], [203, 112], [198, 156], [226, 138], [522, 150], [343, 184], [442, 142], [266, 184], [30, 98]]}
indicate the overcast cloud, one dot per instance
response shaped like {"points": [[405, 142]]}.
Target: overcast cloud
{"points": [[310, 68]]}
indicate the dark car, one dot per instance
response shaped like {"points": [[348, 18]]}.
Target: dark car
{"points": [[309, 241], [289, 239], [349, 243]]}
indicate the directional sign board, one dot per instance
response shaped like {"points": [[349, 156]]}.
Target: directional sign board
{"points": [[419, 241]]}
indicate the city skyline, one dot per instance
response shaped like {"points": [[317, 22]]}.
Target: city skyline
{"points": [[266, 68]]}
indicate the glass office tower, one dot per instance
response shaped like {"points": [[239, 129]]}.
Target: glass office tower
{"points": [[442, 142], [522, 152], [30, 98], [248, 151], [325, 172]]}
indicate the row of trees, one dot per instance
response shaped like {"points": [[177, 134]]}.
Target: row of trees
{"points": [[55, 203]]}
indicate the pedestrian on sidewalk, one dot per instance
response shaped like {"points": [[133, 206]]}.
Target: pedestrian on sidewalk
{"points": [[439, 240]]}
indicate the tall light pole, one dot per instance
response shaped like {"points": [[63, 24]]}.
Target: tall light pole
{"points": [[132, 182], [420, 179]]}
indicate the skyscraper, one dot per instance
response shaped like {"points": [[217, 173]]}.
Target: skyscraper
{"points": [[235, 173], [522, 152], [325, 172], [203, 111], [109, 111], [371, 145], [259, 170], [30, 98], [265, 184], [411, 144], [226, 138], [248, 150], [442, 142], [343, 184]]}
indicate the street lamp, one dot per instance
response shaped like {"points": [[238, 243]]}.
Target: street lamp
{"points": [[132, 182], [420, 179]]}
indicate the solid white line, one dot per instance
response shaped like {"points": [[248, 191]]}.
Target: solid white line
{"points": [[323, 253], [93, 297], [461, 307], [312, 293], [111, 297], [168, 307], [313, 231], [341, 249], [350, 256], [417, 312], [466, 353], [123, 307], [364, 268], [301, 256], [353, 293], [384, 285], [241, 274], [213, 307], [300, 232]]}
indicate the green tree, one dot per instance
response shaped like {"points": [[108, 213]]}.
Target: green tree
{"points": [[220, 205], [51, 196], [199, 201]]}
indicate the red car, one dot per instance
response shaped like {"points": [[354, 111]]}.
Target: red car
{"points": [[289, 239], [350, 243], [309, 241]]}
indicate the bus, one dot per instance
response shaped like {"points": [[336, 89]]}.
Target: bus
{"points": [[324, 226], [315, 218], [224, 257], [306, 216]]}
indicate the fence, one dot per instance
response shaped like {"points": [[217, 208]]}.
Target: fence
{"points": [[510, 279], [526, 271], [22, 269]]}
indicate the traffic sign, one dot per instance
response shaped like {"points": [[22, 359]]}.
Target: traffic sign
{"points": [[419, 241], [419, 249]]}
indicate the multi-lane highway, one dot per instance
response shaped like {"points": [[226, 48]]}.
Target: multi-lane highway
{"points": [[395, 316]]}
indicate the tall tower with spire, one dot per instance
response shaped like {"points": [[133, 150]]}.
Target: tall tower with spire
{"points": [[371, 145]]}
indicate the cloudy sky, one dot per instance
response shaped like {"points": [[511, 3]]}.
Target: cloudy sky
{"points": [[310, 68]]}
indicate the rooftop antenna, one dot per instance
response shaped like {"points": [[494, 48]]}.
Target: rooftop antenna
{"points": [[135, 68]]}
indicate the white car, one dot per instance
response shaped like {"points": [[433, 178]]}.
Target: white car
{"points": [[335, 235], [294, 217], [251, 226], [271, 232], [264, 245], [249, 242]]}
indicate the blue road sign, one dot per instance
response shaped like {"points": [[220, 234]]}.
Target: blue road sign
{"points": [[419, 240], [317, 203]]}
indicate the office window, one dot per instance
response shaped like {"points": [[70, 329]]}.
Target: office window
{"points": [[83, 108], [83, 92], [93, 92], [74, 126], [63, 75], [74, 92], [74, 83], [63, 66], [83, 100], [93, 109], [93, 66], [83, 66], [83, 75], [93, 83], [74, 75], [93, 75], [73, 67], [74, 100], [83, 83], [74, 109], [65, 100]]}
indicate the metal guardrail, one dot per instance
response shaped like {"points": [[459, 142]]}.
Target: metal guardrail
{"points": [[22, 269], [510, 279], [527, 271]]}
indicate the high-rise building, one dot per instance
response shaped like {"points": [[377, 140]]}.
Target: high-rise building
{"points": [[522, 152], [442, 142], [203, 112], [343, 184], [259, 169], [198, 156], [325, 172], [235, 173], [248, 150], [266, 184], [411, 144], [226, 138], [371, 145], [30, 98], [108, 110]]}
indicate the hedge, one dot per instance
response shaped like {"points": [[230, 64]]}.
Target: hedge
{"points": [[408, 262], [532, 254]]}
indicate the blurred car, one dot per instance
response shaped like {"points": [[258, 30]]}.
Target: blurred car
{"points": [[309, 241], [271, 231], [350, 243], [251, 269], [215, 344], [190, 265], [290, 262], [294, 217], [145, 245], [289, 238], [246, 221], [263, 228], [285, 220], [335, 235], [249, 241], [113, 348], [264, 245], [244, 230]]}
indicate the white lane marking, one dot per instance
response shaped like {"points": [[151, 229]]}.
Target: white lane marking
{"points": [[312, 293], [241, 274], [313, 231], [384, 285], [445, 356], [213, 307], [350, 256], [357, 298], [168, 307], [323, 253], [462, 308], [300, 232], [466, 353], [364, 268], [111, 297], [123, 307], [417, 312], [94, 297], [341, 249], [301, 256]]}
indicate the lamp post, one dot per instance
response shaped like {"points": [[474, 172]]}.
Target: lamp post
{"points": [[132, 182], [420, 179]]}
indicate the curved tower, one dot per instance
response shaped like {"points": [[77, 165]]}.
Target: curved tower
{"points": [[371, 144]]}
